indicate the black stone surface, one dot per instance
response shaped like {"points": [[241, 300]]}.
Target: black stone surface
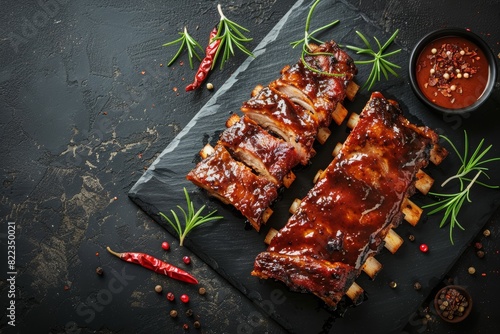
{"points": [[86, 105]]}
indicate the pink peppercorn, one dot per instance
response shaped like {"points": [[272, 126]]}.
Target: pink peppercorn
{"points": [[424, 248]]}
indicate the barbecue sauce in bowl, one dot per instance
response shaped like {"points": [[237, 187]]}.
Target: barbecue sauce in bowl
{"points": [[452, 71]]}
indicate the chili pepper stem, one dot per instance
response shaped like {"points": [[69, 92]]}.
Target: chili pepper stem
{"points": [[113, 252]]}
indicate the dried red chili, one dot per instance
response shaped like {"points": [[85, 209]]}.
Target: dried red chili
{"points": [[206, 63], [156, 265]]}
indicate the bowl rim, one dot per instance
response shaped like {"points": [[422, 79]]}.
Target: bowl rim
{"points": [[456, 32], [462, 290]]}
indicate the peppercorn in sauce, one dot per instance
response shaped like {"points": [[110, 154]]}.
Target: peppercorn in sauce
{"points": [[452, 72]]}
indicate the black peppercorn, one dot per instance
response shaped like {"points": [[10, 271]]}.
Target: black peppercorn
{"points": [[411, 237], [417, 286], [480, 254], [99, 271], [197, 324], [173, 313], [189, 312]]}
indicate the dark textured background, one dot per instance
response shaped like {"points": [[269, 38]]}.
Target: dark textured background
{"points": [[86, 105]]}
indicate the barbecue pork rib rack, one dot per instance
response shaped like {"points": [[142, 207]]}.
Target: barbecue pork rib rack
{"points": [[343, 220], [256, 153]]}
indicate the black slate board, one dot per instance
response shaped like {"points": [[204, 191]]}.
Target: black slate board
{"points": [[230, 247]]}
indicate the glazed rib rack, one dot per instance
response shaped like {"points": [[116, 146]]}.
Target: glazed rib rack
{"points": [[256, 153], [349, 214]]}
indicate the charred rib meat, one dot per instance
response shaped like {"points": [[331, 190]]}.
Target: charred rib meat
{"points": [[234, 183], [346, 215], [281, 122]]}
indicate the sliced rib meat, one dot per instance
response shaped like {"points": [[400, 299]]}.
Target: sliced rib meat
{"points": [[234, 183], [293, 114], [287, 120], [267, 155], [318, 92]]}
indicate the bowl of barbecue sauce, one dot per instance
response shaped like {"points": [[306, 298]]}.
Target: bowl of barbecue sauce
{"points": [[452, 71]]}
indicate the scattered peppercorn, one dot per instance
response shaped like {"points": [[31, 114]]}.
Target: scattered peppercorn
{"points": [[202, 291], [197, 324], [424, 248], [99, 271], [184, 298], [417, 286], [393, 285], [210, 86], [486, 233], [170, 296], [189, 312], [471, 270], [411, 237], [158, 288], [173, 313], [478, 245], [480, 254], [185, 327], [165, 245], [186, 259]]}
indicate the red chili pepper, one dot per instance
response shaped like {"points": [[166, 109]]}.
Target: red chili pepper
{"points": [[156, 265], [206, 63]]}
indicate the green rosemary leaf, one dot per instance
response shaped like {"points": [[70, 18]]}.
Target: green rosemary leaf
{"points": [[186, 41], [309, 37], [451, 203], [231, 34], [380, 64], [192, 218]]}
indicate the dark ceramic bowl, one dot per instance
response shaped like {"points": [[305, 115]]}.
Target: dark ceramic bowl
{"points": [[461, 33], [448, 294]]}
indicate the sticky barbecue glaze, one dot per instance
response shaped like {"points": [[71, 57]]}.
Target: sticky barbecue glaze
{"points": [[318, 93], [234, 183], [254, 146], [289, 121], [346, 215], [294, 113]]}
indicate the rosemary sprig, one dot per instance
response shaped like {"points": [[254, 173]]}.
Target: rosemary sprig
{"points": [[452, 203], [192, 219], [472, 163], [186, 41], [379, 61], [230, 34], [309, 36]]}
